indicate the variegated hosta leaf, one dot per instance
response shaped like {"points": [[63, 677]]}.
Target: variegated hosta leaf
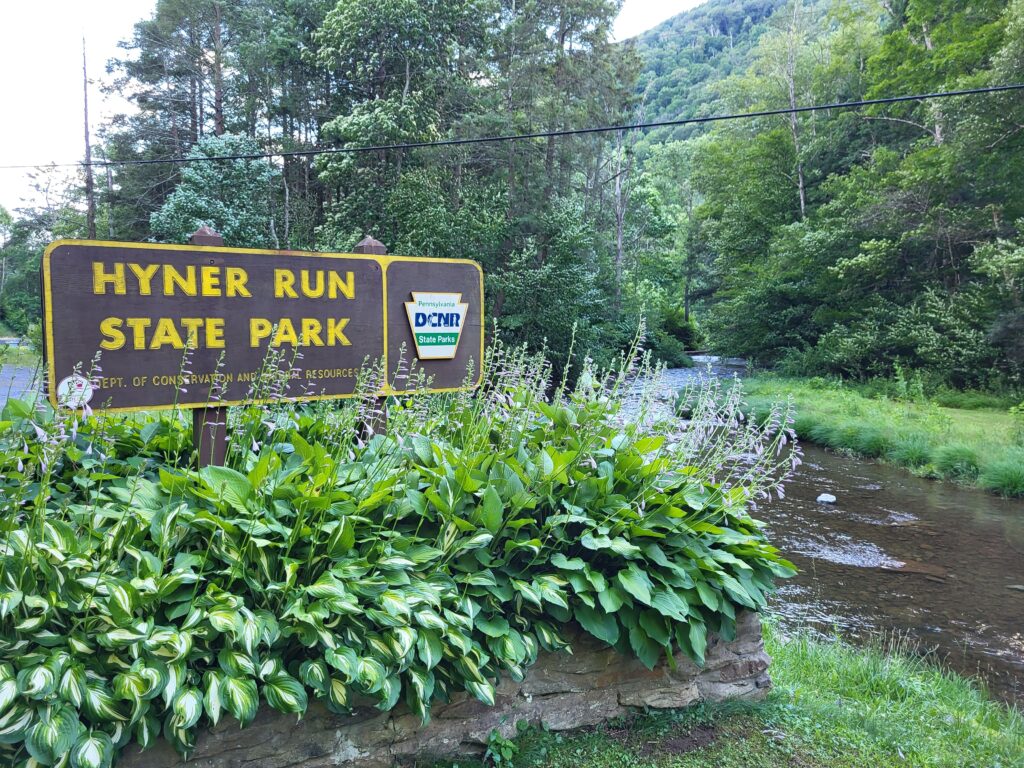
{"points": [[122, 601], [285, 694], [483, 691], [154, 675], [93, 749], [9, 601], [225, 620], [240, 698], [390, 690], [8, 693], [122, 637], [403, 640], [314, 673], [236, 663], [80, 645], [371, 674], [72, 685], [147, 731], [429, 648], [269, 667], [175, 679], [212, 698], [37, 682], [53, 734], [344, 660], [337, 693], [187, 707], [100, 704], [14, 723]]}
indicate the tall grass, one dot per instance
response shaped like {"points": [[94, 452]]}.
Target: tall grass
{"points": [[980, 447]]}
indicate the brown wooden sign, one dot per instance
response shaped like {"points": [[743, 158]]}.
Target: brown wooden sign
{"points": [[138, 326]]}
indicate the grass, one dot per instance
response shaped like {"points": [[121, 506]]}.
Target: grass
{"points": [[833, 706], [977, 444]]}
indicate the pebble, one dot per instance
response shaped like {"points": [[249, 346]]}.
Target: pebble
{"points": [[826, 498], [1018, 587]]}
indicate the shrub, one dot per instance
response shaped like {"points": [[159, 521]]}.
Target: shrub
{"points": [[1005, 475], [910, 451], [141, 597], [957, 462]]}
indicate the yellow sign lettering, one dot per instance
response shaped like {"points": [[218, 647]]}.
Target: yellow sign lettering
{"points": [[100, 278], [113, 338]]}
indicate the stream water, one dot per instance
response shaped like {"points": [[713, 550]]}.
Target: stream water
{"points": [[898, 556]]}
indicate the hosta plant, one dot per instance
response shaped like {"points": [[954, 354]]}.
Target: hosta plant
{"points": [[141, 598]]}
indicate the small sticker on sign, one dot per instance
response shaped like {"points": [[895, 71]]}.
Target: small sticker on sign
{"points": [[74, 391]]}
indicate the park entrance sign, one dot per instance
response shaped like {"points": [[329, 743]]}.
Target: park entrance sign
{"points": [[132, 326]]}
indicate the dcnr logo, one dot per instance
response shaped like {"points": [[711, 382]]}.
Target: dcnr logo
{"points": [[436, 320]]}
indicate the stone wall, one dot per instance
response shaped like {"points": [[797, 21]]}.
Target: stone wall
{"points": [[562, 691]]}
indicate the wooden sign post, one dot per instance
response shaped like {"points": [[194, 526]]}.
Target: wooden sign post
{"points": [[209, 424], [145, 326]]}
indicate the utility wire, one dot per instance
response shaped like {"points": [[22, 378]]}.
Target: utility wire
{"points": [[540, 134]]}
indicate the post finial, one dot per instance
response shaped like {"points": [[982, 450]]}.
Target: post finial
{"points": [[371, 246]]}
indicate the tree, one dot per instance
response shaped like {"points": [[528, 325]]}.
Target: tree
{"points": [[231, 196]]}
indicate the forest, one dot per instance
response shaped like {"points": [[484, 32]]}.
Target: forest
{"points": [[852, 242]]}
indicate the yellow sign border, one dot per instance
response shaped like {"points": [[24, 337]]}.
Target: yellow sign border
{"points": [[384, 262]]}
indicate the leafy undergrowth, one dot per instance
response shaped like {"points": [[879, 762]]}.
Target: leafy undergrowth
{"points": [[833, 706], [980, 447], [141, 598]]}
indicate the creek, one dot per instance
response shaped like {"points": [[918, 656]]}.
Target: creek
{"points": [[899, 557]]}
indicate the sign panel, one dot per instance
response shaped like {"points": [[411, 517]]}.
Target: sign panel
{"points": [[132, 326]]}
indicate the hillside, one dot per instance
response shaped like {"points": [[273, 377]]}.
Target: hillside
{"points": [[688, 54]]}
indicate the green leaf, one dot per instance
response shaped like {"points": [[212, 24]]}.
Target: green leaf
{"points": [[228, 485], [53, 735], [636, 583], [669, 603], [315, 674], [93, 749], [611, 599], [212, 701], [37, 682], [483, 691], [655, 627], [429, 648], [601, 625], [285, 694], [561, 561], [187, 707], [646, 649], [8, 693], [708, 595], [240, 698], [492, 626], [492, 510], [341, 540], [698, 639], [14, 724], [337, 693], [371, 674]]}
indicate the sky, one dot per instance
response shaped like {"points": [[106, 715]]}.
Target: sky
{"points": [[41, 58]]}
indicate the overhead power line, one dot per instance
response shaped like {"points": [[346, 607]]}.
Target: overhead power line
{"points": [[539, 134]]}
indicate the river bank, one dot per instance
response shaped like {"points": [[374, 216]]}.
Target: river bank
{"points": [[982, 447]]}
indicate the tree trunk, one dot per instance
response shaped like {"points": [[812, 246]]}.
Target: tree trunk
{"points": [[620, 218], [90, 196], [218, 72], [794, 121]]}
